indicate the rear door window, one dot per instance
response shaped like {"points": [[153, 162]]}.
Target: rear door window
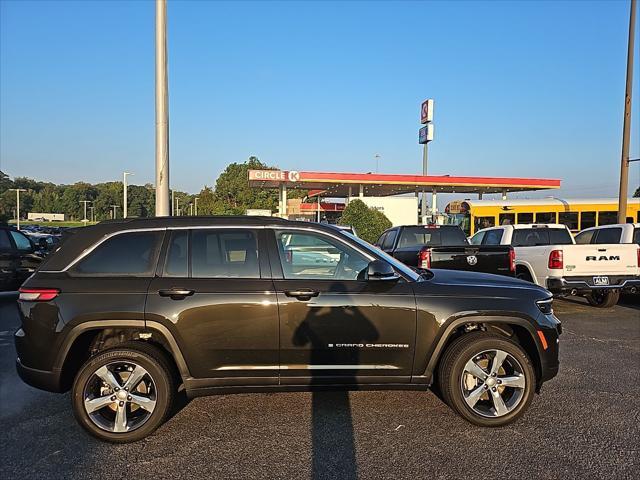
{"points": [[224, 254], [493, 237], [125, 254], [5, 243], [177, 261], [608, 235], [636, 235]]}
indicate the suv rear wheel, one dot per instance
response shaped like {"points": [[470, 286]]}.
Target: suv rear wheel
{"points": [[487, 379], [123, 394]]}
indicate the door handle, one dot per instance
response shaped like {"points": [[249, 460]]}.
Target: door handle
{"points": [[303, 294], [175, 293]]}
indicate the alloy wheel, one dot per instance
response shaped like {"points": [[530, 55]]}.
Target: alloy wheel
{"points": [[120, 396], [493, 383]]}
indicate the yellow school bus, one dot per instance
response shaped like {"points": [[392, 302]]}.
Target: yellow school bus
{"points": [[577, 214]]}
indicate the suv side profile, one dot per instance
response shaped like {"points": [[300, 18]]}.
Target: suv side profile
{"points": [[128, 313]]}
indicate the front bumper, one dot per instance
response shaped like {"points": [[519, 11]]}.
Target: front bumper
{"points": [[583, 285]]}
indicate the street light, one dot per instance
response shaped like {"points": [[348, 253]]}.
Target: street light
{"points": [[191, 209], [115, 211], [93, 216], [377, 157], [124, 185], [196, 205], [17, 190], [85, 210]]}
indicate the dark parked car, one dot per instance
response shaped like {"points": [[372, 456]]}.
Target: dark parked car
{"points": [[18, 258], [127, 313], [445, 246]]}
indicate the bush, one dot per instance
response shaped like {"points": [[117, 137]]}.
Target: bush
{"points": [[369, 223]]}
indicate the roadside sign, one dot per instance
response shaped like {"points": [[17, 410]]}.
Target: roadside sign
{"points": [[426, 112], [426, 134]]}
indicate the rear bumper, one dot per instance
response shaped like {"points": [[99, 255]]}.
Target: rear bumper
{"points": [[42, 379], [583, 285]]}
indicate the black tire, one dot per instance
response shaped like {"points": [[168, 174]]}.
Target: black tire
{"points": [[602, 299], [523, 274], [451, 370], [154, 361]]}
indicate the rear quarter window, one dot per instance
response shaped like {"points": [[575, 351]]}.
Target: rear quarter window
{"points": [[125, 254], [636, 236]]}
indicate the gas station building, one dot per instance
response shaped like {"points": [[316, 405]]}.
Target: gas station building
{"points": [[386, 192]]}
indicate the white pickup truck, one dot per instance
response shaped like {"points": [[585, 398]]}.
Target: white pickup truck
{"points": [[619, 233], [546, 254]]}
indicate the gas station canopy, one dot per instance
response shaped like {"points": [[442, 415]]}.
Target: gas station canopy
{"points": [[379, 185]]}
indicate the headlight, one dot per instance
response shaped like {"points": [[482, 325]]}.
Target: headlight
{"points": [[546, 305]]}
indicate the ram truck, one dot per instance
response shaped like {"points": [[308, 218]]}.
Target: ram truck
{"points": [[547, 254], [446, 247]]}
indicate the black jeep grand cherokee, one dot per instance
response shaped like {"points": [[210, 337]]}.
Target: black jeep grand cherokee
{"points": [[127, 313]]}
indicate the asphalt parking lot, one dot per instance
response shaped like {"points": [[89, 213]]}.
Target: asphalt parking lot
{"points": [[584, 425]]}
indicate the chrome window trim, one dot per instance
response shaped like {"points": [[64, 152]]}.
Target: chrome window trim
{"points": [[91, 248]]}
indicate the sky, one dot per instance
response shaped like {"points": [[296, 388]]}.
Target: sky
{"points": [[532, 89]]}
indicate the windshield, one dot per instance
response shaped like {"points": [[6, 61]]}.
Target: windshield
{"points": [[396, 264]]}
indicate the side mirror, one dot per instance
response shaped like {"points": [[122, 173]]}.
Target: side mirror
{"points": [[379, 270]]}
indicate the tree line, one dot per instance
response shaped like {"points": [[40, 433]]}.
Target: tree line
{"points": [[231, 195]]}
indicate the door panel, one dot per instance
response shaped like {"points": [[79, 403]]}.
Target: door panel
{"points": [[336, 326], [226, 325]]}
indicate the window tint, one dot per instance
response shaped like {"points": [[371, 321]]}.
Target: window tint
{"points": [[607, 218], [530, 237], [224, 253], [636, 235], [525, 218], [177, 262], [608, 235], [325, 259], [22, 242], [546, 217], [477, 238], [587, 220], [5, 243], [559, 236], [507, 218], [570, 219], [123, 254], [380, 241], [584, 238], [389, 239], [493, 237], [431, 236]]}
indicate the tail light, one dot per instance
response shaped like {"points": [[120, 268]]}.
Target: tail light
{"points": [[38, 294], [638, 257], [424, 258], [556, 260], [512, 260]]}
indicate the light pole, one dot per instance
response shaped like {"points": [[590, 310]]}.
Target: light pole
{"points": [[191, 209], [162, 112], [84, 202], [93, 216], [124, 185], [195, 201], [18, 190], [626, 128], [177, 208], [377, 157], [115, 211]]}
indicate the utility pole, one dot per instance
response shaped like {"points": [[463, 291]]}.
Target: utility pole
{"points": [[626, 129], [17, 190], [115, 211], [84, 202], [93, 216], [191, 209], [196, 205], [377, 157], [177, 207], [173, 203], [124, 185], [162, 112]]}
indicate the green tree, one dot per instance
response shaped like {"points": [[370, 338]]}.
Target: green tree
{"points": [[637, 193], [369, 223]]}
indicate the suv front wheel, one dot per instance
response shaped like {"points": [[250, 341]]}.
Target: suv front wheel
{"points": [[123, 394], [487, 379]]}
